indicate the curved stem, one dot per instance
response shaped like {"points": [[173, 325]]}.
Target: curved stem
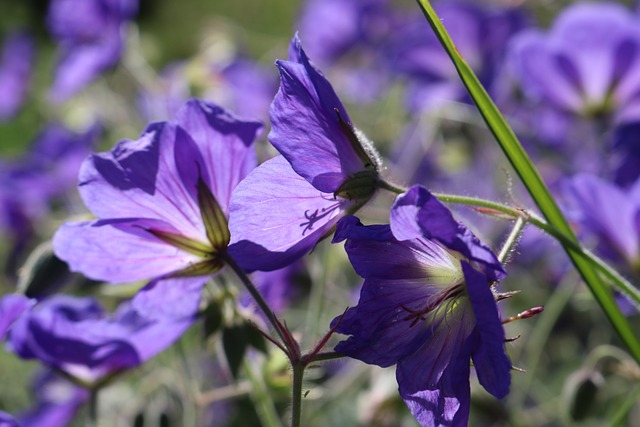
{"points": [[329, 355], [257, 297], [495, 208]]}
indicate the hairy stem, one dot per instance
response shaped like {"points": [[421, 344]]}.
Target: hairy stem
{"points": [[296, 394]]}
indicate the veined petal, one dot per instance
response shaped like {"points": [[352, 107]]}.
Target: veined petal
{"points": [[489, 358], [120, 250], [225, 143], [382, 327], [140, 179], [276, 216]]}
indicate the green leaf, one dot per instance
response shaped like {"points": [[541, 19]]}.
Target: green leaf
{"points": [[212, 319], [255, 338], [234, 342], [532, 180]]}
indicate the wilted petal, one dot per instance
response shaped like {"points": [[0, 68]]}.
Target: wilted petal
{"points": [[276, 216], [120, 250]]}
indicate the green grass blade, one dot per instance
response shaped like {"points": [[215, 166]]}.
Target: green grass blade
{"points": [[532, 180]]}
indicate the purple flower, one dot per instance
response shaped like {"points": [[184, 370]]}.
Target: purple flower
{"points": [[162, 203], [626, 147], [481, 36], [90, 36], [15, 73], [6, 420], [57, 402], [612, 215], [326, 168], [11, 308], [587, 64], [77, 336], [427, 306]]}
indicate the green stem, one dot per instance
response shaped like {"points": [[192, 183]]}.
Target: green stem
{"points": [[257, 297], [92, 420], [532, 180], [296, 394], [512, 239], [329, 355]]}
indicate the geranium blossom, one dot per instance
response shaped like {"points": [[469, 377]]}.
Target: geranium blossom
{"points": [[426, 305]]}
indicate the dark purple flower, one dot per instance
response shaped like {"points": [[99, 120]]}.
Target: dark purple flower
{"points": [[162, 203], [612, 215], [587, 64], [427, 306], [57, 402], [626, 147], [480, 34], [15, 73], [90, 36], [77, 336], [326, 168]]}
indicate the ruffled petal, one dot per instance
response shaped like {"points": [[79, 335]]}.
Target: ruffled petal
{"points": [[119, 250], [276, 216]]}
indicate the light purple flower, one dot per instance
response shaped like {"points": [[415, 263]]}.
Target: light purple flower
{"points": [[6, 420], [78, 337], [587, 64], [162, 203], [427, 306], [612, 215], [326, 168], [15, 73], [90, 36]]}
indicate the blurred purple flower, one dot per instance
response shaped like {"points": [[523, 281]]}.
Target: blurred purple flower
{"points": [[326, 168], [480, 34], [77, 336], [587, 64], [626, 147], [11, 308], [15, 73], [162, 203], [426, 305], [6, 420], [164, 101], [57, 402], [90, 36], [612, 215]]}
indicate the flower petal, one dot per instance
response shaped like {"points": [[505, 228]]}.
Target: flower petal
{"points": [[276, 216], [225, 143], [170, 298], [140, 179], [119, 250], [11, 307], [490, 360], [306, 126]]}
